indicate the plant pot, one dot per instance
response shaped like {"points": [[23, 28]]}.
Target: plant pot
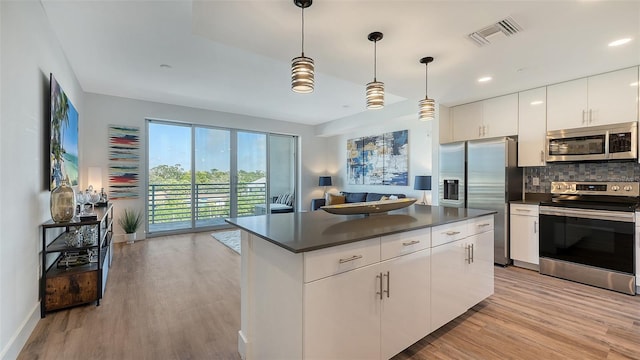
{"points": [[130, 238]]}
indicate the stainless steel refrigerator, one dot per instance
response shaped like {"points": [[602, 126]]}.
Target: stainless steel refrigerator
{"points": [[483, 174]]}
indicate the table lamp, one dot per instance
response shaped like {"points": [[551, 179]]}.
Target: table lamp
{"points": [[422, 182]]}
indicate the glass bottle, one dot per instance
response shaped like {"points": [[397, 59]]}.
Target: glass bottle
{"points": [[63, 203]]}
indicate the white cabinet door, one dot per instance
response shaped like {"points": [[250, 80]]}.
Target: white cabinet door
{"points": [[532, 127], [637, 249], [480, 268], [500, 116], [405, 307], [567, 105], [342, 316], [448, 282], [466, 121], [613, 97], [524, 238]]}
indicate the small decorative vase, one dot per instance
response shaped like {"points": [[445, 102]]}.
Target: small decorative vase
{"points": [[63, 203]]}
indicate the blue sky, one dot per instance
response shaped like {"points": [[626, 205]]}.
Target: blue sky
{"points": [[171, 144]]}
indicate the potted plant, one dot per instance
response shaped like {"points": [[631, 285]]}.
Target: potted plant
{"points": [[130, 221]]}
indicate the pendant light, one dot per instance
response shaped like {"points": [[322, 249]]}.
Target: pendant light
{"points": [[302, 67], [375, 89], [427, 106]]}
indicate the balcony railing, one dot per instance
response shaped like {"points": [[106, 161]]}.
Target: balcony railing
{"points": [[172, 202]]}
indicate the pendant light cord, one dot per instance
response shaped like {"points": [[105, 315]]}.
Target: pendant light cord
{"points": [[303, 31], [375, 59], [426, 80]]}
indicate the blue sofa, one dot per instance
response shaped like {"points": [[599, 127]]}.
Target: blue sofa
{"points": [[354, 197]]}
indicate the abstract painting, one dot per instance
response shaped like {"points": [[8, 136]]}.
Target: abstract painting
{"points": [[63, 141], [379, 160], [124, 162]]}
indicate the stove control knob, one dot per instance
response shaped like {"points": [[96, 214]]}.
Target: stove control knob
{"points": [[627, 188], [615, 188], [559, 187]]}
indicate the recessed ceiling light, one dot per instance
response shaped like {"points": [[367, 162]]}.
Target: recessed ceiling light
{"points": [[619, 42], [485, 79], [166, 66], [537, 102], [634, 84]]}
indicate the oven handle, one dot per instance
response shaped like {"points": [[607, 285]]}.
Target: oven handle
{"points": [[588, 214]]}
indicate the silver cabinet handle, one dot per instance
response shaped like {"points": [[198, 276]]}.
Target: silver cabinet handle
{"points": [[541, 156], [412, 242], [483, 225], [472, 252], [379, 276], [452, 233], [525, 210], [354, 257], [484, 130], [479, 130], [583, 118], [535, 227], [388, 291], [467, 254]]}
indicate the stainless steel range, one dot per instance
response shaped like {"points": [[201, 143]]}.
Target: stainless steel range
{"points": [[587, 233]]}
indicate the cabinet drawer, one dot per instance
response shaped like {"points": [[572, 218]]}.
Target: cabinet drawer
{"points": [[480, 225], [72, 289], [524, 209], [334, 260], [447, 233], [404, 243]]}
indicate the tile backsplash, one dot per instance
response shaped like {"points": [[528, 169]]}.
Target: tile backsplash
{"points": [[587, 171]]}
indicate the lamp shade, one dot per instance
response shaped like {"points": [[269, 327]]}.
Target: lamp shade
{"points": [[422, 183], [324, 181], [95, 177]]}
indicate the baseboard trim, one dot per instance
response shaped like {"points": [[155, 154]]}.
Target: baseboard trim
{"points": [[17, 341], [242, 345]]}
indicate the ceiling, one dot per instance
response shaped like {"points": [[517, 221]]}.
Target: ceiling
{"points": [[234, 56]]}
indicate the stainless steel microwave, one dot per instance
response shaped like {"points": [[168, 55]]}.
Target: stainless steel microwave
{"points": [[606, 142]]}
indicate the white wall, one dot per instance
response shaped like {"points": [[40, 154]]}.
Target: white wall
{"points": [[29, 52], [106, 110], [423, 144]]}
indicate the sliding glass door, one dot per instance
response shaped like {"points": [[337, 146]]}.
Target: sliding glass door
{"points": [[251, 173], [233, 175], [212, 180], [170, 190]]}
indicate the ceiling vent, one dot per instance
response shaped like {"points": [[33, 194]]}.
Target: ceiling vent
{"points": [[507, 27]]}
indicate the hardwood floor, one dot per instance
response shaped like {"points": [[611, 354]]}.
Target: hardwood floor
{"points": [[178, 297]]}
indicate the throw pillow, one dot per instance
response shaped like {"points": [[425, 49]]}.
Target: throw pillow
{"points": [[384, 198], [285, 199], [331, 199]]}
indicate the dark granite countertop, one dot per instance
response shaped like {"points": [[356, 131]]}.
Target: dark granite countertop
{"points": [[533, 199], [306, 231]]}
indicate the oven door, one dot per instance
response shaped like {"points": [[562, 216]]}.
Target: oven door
{"points": [[603, 239]]}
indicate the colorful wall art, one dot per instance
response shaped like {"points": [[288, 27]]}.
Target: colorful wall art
{"points": [[124, 162], [379, 160], [63, 140]]}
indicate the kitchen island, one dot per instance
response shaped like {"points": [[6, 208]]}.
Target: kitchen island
{"points": [[321, 286]]}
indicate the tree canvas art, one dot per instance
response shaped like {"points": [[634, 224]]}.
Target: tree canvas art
{"points": [[63, 141]]}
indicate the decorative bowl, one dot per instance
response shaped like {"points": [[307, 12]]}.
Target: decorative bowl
{"points": [[369, 207]]}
